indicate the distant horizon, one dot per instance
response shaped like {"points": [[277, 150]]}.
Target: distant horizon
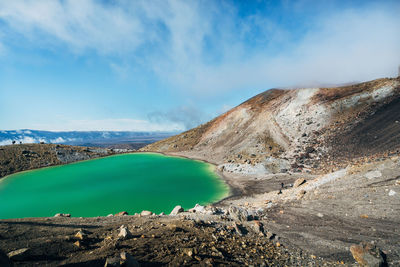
{"points": [[172, 65], [38, 130], [29, 136]]}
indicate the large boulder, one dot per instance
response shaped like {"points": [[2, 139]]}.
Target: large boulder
{"points": [[124, 259], [368, 255], [19, 254], [299, 182], [176, 210], [146, 213], [124, 232], [238, 214], [112, 262], [197, 208], [81, 234], [128, 260], [122, 213], [62, 215]]}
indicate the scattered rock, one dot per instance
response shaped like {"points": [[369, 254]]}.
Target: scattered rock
{"points": [[368, 255], [270, 235], [81, 235], [176, 210], [238, 214], [124, 232], [112, 261], [128, 260], [301, 194], [146, 213], [238, 228], [189, 252], [122, 213], [310, 149], [392, 193], [259, 227], [319, 214], [299, 182], [62, 215], [18, 254], [197, 208], [269, 204], [211, 210], [174, 228]]}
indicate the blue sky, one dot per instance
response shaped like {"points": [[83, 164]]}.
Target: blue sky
{"points": [[170, 65]]}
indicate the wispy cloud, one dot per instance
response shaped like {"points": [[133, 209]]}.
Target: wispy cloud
{"points": [[123, 124], [206, 47], [80, 25]]}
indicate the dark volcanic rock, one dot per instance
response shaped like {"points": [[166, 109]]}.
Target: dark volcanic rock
{"points": [[4, 260]]}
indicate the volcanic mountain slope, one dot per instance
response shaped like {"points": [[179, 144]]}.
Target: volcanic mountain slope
{"points": [[297, 129]]}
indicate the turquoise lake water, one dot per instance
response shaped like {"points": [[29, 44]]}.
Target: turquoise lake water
{"points": [[98, 187]]}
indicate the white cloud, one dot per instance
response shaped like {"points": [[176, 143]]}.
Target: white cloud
{"points": [[57, 140], [111, 125], [23, 139], [81, 25], [207, 48]]}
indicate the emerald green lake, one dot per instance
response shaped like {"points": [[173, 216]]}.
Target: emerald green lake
{"points": [[128, 182]]}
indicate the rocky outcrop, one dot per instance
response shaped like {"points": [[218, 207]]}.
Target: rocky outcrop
{"points": [[21, 157], [176, 210], [146, 213], [19, 254], [368, 255], [62, 215], [124, 232], [297, 130]]}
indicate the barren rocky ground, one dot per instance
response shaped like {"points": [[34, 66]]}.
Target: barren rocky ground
{"points": [[313, 173], [182, 240]]}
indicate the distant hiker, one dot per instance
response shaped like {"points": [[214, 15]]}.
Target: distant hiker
{"points": [[13, 142], [282, 185], [20, 142]]}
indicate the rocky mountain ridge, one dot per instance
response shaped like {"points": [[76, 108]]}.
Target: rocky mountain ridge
{"points": [[298, 130]]}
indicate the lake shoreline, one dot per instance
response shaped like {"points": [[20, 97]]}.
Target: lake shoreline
{"points": [[236, 191], [131, 181]]}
